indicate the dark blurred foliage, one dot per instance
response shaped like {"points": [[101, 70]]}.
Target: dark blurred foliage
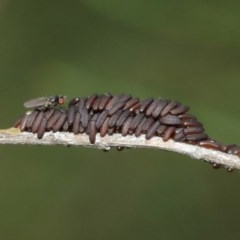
{"points": [[184, 50]]}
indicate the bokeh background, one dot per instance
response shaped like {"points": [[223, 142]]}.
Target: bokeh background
{"points": [[185, 50]]}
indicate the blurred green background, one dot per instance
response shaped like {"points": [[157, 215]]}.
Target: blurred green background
{"points": [[185, 50]]}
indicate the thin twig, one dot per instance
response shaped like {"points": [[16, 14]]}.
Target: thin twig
{"points": [[14, 136]]}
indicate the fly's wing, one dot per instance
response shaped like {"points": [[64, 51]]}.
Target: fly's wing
{"points": [[36, 102]]}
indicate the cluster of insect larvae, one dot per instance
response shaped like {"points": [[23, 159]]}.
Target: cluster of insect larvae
{"points": [[124, 114], [109, 114]]}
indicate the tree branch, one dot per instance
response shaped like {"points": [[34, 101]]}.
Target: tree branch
{"points": [[14, 136]]}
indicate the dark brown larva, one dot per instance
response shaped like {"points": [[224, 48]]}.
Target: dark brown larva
{"points": [[112, 102], [65, 126], [113, 119], [197, 137], [126, 125], [81, 104], [191, 123], [147, 124], [76, 123], [51, 121], [151, 131], [179, 135], [42, 127], [170, 120], [84, 117], [104, 127], [193, 130], [145, 104], [37, 122], [122, 118], [49, 112], [161, 130], [151, 107], [136, 120], [160, 108], [135, 108], [171, 105], [111, 131], [179, 109], [92, 129], [210, 144], [17, 123], [125, 97], [103, 115], [90, 101], [118, 105], [59, 123], [95, 105], [131, 102], [24, 121], [31, 118], [81, 128], [71, 114], [186, 116], [104, 101], [139, 129], [168, 133]]}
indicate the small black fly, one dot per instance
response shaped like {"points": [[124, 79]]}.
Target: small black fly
{"points": [[45, 102]]}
